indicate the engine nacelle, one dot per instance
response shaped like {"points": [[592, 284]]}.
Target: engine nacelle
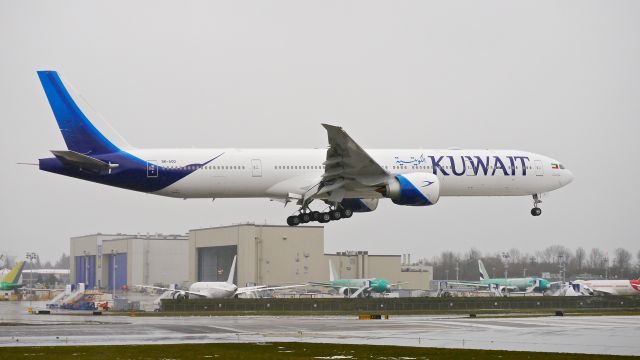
{"points": [[345, 291], [360, 205], [413, 189]]}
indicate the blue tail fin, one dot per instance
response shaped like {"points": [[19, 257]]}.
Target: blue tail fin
{"points": [[79, 133]]}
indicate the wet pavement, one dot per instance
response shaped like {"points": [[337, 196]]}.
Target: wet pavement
{"points": [[580, 334]]}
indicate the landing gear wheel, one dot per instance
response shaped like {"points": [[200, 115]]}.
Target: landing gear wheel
{"points": [[346, 213], [324, 218], [293, 220], [315, 215], [536, 211], [335, 214], [304, 218]]}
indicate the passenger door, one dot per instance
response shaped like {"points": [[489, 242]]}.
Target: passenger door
{"points": [[256, 168]]}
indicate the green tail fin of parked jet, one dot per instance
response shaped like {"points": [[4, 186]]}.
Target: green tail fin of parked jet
{"points": [[10, 281]]}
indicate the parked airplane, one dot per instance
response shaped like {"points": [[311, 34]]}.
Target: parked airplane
{"points": [[48, 271], [216, 289], [10, 281], [345, 177], [503, 286], [608, 287], [355, 287]]}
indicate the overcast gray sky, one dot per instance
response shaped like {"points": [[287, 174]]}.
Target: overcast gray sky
{"points": [[560, 78]]}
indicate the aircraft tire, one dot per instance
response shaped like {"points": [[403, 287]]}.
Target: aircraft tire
{"points": [[293, 220], [347, 213], [324, 218], [536, 211], [335, 215], [304, 218]]}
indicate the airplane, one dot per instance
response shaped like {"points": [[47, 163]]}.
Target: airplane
{"points": [[504, 286], [608, 287], [355, 287], [10, 281], [48, 271], [343, 179], [215, 289]]}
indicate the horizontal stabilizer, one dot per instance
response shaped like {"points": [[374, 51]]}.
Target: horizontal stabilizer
{"points": [[72, 158]]}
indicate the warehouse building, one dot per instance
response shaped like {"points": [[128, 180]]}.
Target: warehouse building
{"points": [[99, 259], [266, 255]]}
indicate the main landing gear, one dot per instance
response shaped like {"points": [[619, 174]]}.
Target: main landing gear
{"points": [[536, 211], [306, 216]]}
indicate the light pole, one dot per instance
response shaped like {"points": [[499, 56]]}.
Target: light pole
{"points": [[562, 266], [113, 264], [505, 258], [86, 269], [457, 270], [31, 256]]}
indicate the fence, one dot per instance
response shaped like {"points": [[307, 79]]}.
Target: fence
{"points": [[397, 305]]}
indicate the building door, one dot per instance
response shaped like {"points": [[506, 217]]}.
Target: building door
{"points": [[256, 168], [119, 268], [538, 168]]}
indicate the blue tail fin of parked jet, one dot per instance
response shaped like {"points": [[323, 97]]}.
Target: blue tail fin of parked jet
{"points": [[78, 132]]}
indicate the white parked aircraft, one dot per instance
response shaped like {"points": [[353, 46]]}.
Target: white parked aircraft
{"points": [[345, 177], [215, 289], [608, 287]]}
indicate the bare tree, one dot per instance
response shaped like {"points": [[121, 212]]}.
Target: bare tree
{"points": [[580, 257], [474, 254], [622, 260], [595, 258], [515, 255]]}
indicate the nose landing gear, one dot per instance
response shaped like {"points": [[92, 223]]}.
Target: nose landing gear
{"points": [[536, 211]]}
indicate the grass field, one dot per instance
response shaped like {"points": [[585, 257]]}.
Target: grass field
{"points": [[275, 351]]}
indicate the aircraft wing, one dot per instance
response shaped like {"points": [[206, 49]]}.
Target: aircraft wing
{"points": [[348, 167], [175, 290], [471, 284], [244, 290], [154, 288]]}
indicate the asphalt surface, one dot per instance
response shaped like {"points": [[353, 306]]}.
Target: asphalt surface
{"points": [[583, 334]]}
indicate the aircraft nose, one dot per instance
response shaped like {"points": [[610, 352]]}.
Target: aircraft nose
{"points": [[569, 176]]}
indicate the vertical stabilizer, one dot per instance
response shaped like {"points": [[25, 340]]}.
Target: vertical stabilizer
{"points": [[78, 132], [232, 272], [14, 275], [332, 272], [483, 272]]}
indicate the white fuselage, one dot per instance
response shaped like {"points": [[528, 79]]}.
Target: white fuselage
{"points": [[612, 287], [214, 290], [278, 173]]}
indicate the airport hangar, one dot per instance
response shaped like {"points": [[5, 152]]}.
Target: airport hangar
{"points": [[266, 255]]}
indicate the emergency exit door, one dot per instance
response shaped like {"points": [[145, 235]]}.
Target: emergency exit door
{"points": [[256, 168]]}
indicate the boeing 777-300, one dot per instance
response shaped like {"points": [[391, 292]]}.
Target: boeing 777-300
{"points": [[344, 178]]}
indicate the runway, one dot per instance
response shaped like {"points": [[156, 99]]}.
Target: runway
{"points": [[584, 334]]}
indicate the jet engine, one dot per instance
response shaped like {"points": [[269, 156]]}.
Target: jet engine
{"points": [[413, 189], [345, 291], [359, 205]]}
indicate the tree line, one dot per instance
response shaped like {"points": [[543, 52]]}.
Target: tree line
{"points": [[557, 260]]}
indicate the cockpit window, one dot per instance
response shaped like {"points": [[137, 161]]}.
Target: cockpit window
{"points": [[562, 166]]}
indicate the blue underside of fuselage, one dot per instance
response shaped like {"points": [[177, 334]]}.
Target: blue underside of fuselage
{"points": [[131, 173]]}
